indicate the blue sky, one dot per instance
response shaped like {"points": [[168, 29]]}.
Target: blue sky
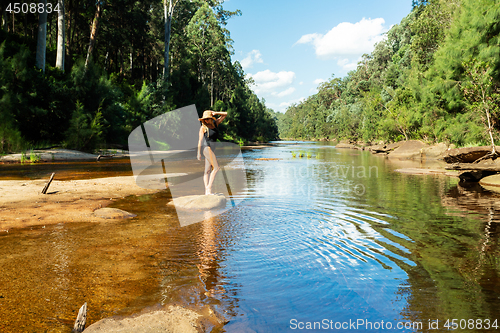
{"points": [[288, 47]]}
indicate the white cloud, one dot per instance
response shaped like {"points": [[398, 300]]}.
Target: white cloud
{"points": [[286, 92], [252, 57], [347, 39], [318, 81], [267, 82]]}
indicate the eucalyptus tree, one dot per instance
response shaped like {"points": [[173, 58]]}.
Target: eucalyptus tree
{"points": [[482, 94], [4, 18], [210, 44], [41, 47], [61, 36], [168, 10], [93, 30]]}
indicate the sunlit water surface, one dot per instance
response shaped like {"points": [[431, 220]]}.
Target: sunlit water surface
{"points": [[329, 238]]}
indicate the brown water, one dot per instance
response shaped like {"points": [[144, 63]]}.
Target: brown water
{"points": [[118, 268], [66, 170], [319, 238]]}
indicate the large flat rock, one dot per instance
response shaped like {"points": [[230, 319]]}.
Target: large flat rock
{"points": [[493, 180], [345, 145], [410, 149], [173, 320], [435, 152], [199, 202]]}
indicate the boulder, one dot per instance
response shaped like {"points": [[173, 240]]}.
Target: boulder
{"points": [[112, 213], [435, 152], [466, 155], [384, 148], [199, 202], [174, 319], [411, 149], [345, 145]]}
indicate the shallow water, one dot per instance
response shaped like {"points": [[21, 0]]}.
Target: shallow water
{"points": [[67, 170], [338, 236]]}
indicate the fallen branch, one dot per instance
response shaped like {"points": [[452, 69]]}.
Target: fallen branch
{"points": [[44, 191], [492, 155], [81, 319], [103, 156]]}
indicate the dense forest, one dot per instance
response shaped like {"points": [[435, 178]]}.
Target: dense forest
{"points": [[435, 77], [83, 74]]}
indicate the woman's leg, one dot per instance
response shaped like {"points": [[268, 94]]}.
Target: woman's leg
{"points": [[210, 156], [208, 169]]}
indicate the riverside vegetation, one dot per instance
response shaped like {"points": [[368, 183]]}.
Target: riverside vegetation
{"points": [[435, 77], [63, 83]]}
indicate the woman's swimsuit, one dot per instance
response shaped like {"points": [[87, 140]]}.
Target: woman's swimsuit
{"points": [[211, 137]]}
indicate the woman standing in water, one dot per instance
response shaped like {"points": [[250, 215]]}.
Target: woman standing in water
{"points": [[209, 133]]}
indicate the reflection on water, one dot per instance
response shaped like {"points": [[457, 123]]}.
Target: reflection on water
{"points": [[338, 236]]}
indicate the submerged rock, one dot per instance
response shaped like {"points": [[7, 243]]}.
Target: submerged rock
{"points": [[199, 202], [113, 213]]}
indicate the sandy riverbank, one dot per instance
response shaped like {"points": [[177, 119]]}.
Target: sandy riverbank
{"points": [[22, 204]]}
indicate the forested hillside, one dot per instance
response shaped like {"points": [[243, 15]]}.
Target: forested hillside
{"points": [[92, 71], [435, 77]]}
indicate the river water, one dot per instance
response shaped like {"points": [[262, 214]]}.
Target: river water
{"points": [[332, 240]]}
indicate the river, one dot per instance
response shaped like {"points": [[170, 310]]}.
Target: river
{"points": [[335, 239]]}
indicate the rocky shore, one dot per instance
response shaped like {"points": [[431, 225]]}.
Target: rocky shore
{"points": [[469, 163]]}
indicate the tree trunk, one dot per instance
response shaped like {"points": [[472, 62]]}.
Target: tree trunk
{"points": [[4, 20], [42, 39], [93, 33], [61, 36], [132, 62], [26, 26], [168, 12], [212, 89]]}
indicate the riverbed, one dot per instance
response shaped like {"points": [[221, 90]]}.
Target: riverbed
{"points": [[332, 238]]}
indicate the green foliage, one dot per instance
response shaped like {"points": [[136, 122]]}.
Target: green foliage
{"points": [[435, 77], [123, 85], [481, 93], [34, 158], [85, 129]]}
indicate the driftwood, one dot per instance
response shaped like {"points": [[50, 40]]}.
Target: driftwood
{"points": [[471, 166], [103, 156], [81, 319], [44, 191]]}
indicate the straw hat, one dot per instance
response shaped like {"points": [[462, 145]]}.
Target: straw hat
{"points": [[207, 115]]}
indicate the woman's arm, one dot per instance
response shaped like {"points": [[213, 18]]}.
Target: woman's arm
{"points": [[221, 118], [198, 156]]}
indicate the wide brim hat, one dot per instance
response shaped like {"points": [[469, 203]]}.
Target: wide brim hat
{"points": [[206, 115]]}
